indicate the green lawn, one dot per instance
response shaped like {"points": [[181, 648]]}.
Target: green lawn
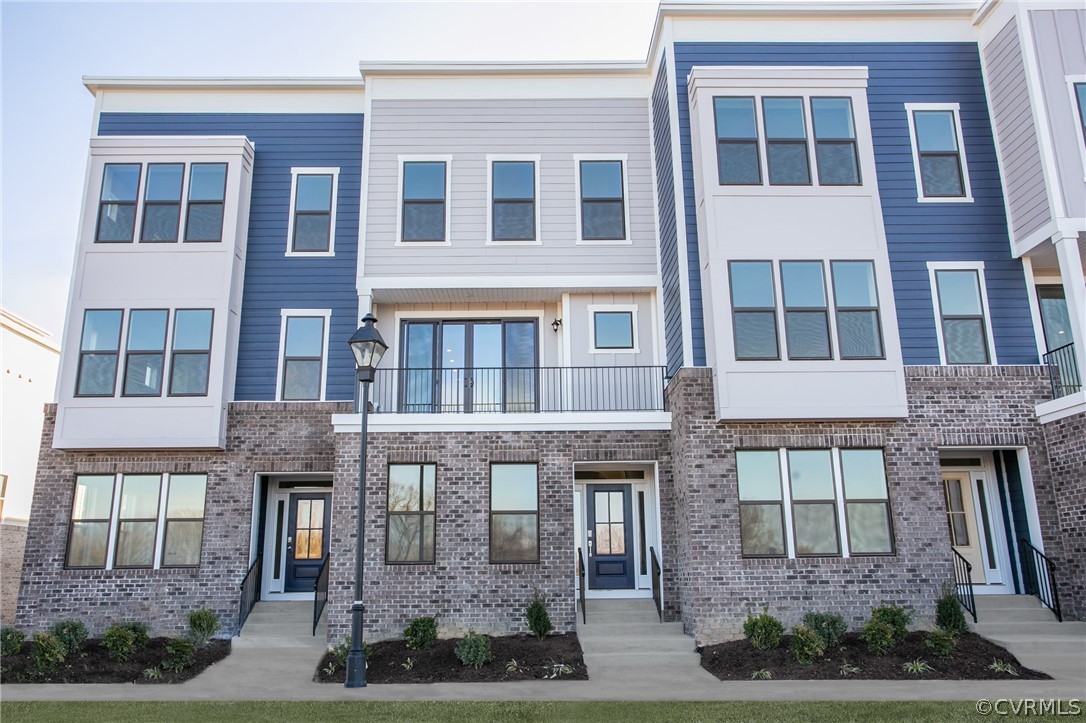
{"points": [[684, 712]]}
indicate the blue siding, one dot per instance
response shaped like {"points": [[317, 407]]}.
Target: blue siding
{"points": [[273, 281], [669, 241], [916, 233]]}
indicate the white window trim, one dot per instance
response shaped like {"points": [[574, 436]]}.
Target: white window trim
{"points": [[285, 314], [447, 160], [294, 174], [577, 158], [165, 479], [593, 308], [490, 159], [977, 266], [954, 108], [1080, 141]]}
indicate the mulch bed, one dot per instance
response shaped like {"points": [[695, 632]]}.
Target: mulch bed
{"points": [[737, 660], [439, 664], [93, 665]]}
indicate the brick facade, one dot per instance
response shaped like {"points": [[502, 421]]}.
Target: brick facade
{"points": [[12, 545], [1067, 450]]}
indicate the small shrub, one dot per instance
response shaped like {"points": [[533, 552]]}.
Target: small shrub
{"points": [[11, 641], [878, 635], [846, 670], [409, 664], [48, 653], [830, 626], [474, 650], [539, 622], [141, 630], [898, 618], [512, 666], [71, 634], [340, 652], [421, 633], [762, 674], [949, 615], [152, 673], [764, 631], [807, 645], [557, 670], [941, 643], [119, 642], [203, 624], [1000, 667], [180, 654], [917, 667]]}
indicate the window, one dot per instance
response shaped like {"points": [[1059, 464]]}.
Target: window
{"points": [[961, 316], [412, 491], [98, 350], [1055, 316], [737, 142], [859, 332], [1080, 101], [207, 193], [513, 205], [823, 487], [312, 223], [603, 205], [424, 188], [938, 152], [835, 142], [786, 142], [613, 331], [145, 352], [162, 202], [754, 310], [117, 203], [514, 513], [139, 523], [302, 369], [806, 321], [190, 359]]}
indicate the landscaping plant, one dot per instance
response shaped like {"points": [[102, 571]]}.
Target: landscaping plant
{"points": [[48, 653], [846, 669], [557, 670], [807, 645], [180, 654], [203, 624], [340, 652], [764, 631], [898, 618], [1000, 667], [539, 622], [763, 674], [71, 634], [474, 650], [141, 630], [941, 643], [421, 633], [878, 635], [11, 641], [948, 613], [917, 667], [830, 626], [120, 642]]}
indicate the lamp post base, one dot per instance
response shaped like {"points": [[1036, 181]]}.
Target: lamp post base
{"points": [[356, 658]]}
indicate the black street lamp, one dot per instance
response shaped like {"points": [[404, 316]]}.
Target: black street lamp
{"points": [[368, 347]]}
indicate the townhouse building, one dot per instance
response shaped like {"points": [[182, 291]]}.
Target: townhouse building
{"points": [[788, 315]]}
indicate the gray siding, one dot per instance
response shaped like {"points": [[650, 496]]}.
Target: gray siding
{"points": [[1017, 137], [468, 130], [1060, 38]]}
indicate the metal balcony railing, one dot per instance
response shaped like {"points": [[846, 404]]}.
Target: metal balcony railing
{"points": [[518, 390], [1063, 371]]}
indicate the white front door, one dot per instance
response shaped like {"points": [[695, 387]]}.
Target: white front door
{"points": [[975, 522]]}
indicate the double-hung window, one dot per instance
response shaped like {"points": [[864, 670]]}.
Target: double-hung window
{"points": [[786, 142], [835, 142], [137, 523], [938, 152], [867, 502], [117, 203], [514, 513], [513, 200], [88, 530], [207, 195], [312, 221], [412, 493], [806, 318], [859, 332], [761, 503], [424, 214], [184, 522], [814, 502], [145, 352], [737, 142], [98, 349], [190, 358], [754, 310], [302, 367], [962, 316], [162, 201], [603, 200]]}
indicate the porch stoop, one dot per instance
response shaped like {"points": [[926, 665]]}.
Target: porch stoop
{"points": [[273, 625], [1027, 629]]}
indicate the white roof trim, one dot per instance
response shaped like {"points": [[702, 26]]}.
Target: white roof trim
{"points": [[94, 83]]}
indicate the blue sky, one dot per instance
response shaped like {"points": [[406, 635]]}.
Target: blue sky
{"points": [[46, 113]]}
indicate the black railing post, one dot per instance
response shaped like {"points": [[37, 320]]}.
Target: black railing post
{"points": [[1063, 371], [657, 584], [963, 583], [1040, 576], [581, 586], [320, 592], [250, 591]]}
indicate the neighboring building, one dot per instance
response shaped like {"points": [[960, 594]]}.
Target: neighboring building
{"points": [[29, 360], [751, 311]]}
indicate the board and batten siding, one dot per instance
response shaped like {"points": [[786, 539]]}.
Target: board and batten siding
{"points": [[1012, 115], [274, 281], [916, 233], [669, 240], [468, 131]]}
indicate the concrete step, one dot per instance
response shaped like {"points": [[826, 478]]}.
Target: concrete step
{"points": [[639, 644], [644, 662], [1052, 629], [596, 616], [1011, 615], [616, 604], [654, 629], [1005, 602], [1019, 645], [267, 642]]}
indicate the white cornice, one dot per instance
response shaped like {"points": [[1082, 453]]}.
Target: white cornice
{"points": [[94, 83]]}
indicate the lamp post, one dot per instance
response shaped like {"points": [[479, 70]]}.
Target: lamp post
{"points": [[368, 347]]}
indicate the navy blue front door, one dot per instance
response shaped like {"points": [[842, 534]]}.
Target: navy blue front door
{"points": [[307, 539], [610, 538]]}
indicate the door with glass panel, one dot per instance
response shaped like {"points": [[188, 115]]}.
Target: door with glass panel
{"points": [[962, 522], [307, 539], [469, 366], [610, 538]]}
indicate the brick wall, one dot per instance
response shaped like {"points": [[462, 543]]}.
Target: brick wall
{"points": [[12, 544], [1067, 451]]}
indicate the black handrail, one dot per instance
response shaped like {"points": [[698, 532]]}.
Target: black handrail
{"points": [[320, 592], [580, 576], [250, 591], [1063, 372], [1039, 574], [657, 584], [963, 583]]}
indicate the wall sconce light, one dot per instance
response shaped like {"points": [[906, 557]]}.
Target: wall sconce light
{"points": [[556, 325]]}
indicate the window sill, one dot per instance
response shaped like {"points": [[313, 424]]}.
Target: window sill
{"points": [[312, 254], [604, 242], [499, 242], [948, 199], [422, 243]]}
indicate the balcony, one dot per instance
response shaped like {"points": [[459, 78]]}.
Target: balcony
{"points": [[1063, 371]]}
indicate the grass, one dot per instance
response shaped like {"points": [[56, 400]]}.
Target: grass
{"points": [[239, 712]]}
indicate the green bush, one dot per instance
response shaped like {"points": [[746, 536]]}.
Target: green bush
{"points": [[71, 634], [807, 645], [474, 650], [421, 633], [340, 652], [180, 654], [898, 618], [203, 624], [764, 631], [539, 622], [48, 653], [941, 643], [11, 641], [948, 613], [120, 642], [141, 630], [830, 626], [878, 635]]}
